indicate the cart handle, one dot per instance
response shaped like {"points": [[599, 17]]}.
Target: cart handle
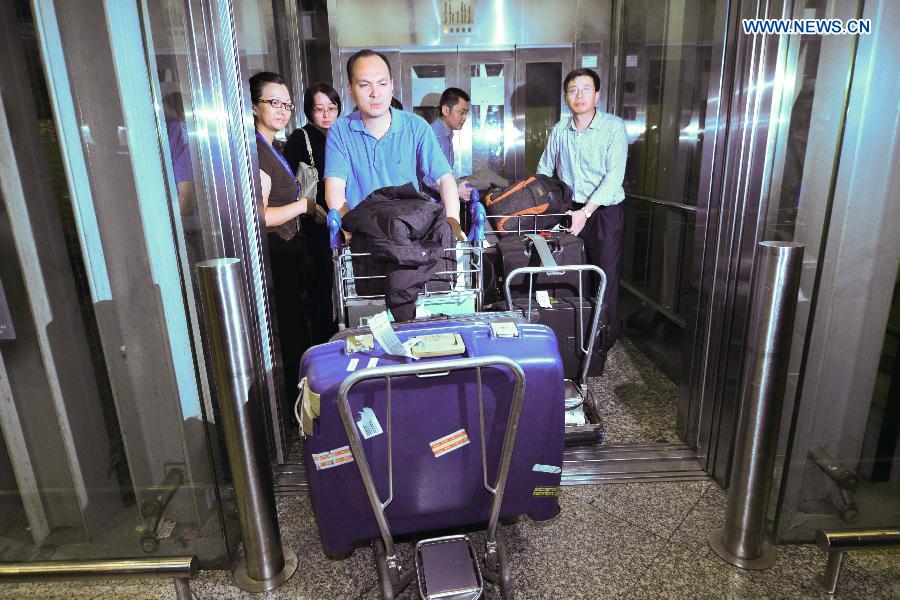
{"points": [[556, 271], [427, 368], [334, 228]]}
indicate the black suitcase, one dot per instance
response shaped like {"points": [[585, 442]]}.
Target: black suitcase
{"points": [[595, 369], [566, 249], [562, 318]]}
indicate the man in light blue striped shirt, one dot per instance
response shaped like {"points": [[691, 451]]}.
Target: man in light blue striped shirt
{"points": [[588, 151]]}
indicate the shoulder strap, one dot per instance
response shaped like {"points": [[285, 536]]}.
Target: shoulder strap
{"points": [[543, 250], [312, 161]]}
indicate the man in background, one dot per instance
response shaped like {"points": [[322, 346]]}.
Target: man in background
{"points": [[588, 151], [454, 106]]}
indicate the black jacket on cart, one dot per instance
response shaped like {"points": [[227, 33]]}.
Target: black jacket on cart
{"points": [[406, 234]]}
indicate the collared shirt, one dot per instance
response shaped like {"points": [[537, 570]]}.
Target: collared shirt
{"points": [[591, 162], [406, 153], [444, 137]]}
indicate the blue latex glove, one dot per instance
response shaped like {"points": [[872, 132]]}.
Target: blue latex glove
{"points": [[334, 229], [479, 216]]}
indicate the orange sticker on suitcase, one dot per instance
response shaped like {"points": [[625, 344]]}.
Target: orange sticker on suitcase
{"points": [[332, 458], [449, 443]]}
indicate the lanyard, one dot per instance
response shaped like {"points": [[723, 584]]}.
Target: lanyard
{"points": [[281, 159]]}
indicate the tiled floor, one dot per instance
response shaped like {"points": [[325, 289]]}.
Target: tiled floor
{"points": [[623, 540], [642, 540], [635, 400]]}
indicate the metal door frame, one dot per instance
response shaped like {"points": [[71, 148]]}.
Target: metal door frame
{"points": [[524, 54], [468, 58]]}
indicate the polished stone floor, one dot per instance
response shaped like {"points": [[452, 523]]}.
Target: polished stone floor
{"points": [[618, 540], [639, 540], [636, 402]]}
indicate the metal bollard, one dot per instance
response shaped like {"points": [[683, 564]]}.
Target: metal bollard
{"points": [[742, 541], [266, 564]]}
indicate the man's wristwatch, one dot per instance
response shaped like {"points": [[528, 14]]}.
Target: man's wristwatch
{"points": [[587, 214]]}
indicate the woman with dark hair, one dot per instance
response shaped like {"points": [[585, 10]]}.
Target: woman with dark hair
{"points": [[283, 209], [322, 106]]}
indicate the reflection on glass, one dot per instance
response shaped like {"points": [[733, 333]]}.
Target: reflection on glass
{"points": [[845, 471], [543, 93], [428, 83], [668, 53], [657, 262], [487, 117], [255, 27], [99, 456]]}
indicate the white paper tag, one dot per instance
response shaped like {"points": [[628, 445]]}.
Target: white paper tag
{"points": [[386, 337], [546, 469], [449, 443], [351, 366], [332, 458], [372, 362], [543, 298], [368, 423]]}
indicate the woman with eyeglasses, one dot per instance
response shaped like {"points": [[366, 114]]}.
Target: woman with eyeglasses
{"points": [[283, 209], [322, 106]]}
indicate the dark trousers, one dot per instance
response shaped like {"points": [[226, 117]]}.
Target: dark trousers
{"points": [[321, 282], [289, 277], [602, 235]]}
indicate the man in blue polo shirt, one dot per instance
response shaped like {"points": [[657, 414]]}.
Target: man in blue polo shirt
{"points": [[379, 146]]}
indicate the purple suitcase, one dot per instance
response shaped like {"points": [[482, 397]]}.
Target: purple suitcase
{"points": [[431, 489]]}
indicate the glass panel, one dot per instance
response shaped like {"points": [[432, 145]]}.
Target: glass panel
{"points": [[668, 53], [105, 442], [844, 469], [658, 262], [428, 83], [543, 90], [486, 118], [255, 27], [316, 43]]}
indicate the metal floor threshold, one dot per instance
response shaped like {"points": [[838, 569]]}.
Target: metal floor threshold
{"points": [[290, 479], [631, 463], [581, 466]]}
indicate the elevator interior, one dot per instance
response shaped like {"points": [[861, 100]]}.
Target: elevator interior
{"points": [[108, 406]]}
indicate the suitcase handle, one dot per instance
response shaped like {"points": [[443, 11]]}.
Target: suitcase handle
{"points": [[552, 246], [427, 375]]}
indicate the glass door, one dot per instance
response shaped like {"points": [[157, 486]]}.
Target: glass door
{"points": [[108, 429], [538, 101], [488, 138]]}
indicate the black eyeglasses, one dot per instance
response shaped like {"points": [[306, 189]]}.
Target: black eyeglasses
{"points": [[276, 103]]}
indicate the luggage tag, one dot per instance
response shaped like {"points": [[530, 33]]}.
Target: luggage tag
{"points": [[387, 337], [364, 342], [368, 424], [543, 299]]}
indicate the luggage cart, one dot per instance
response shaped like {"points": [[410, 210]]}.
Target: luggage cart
{"points": [[465, 295], [447, 566], [578, 397]]}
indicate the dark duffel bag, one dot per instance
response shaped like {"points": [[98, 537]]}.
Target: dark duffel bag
{"points": [[520, 251]]}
